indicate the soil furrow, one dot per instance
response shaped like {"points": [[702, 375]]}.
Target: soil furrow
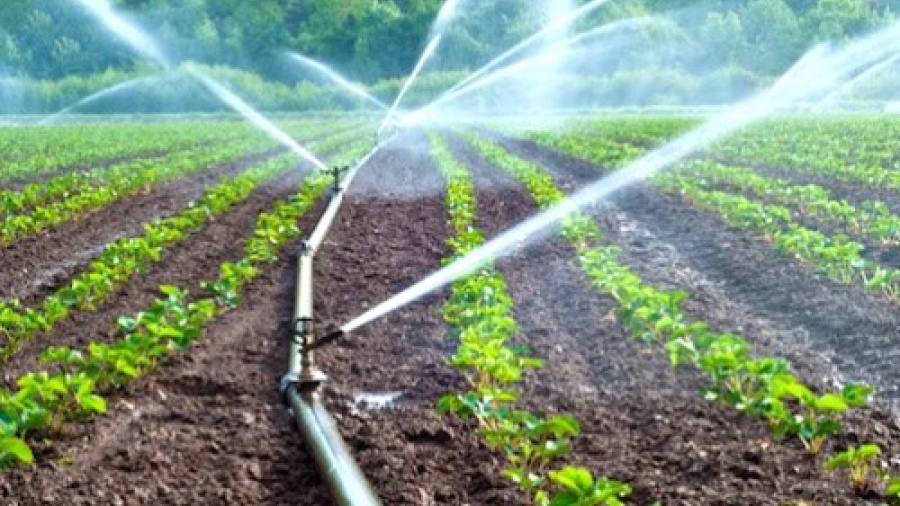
{"points": [[208, 427], [887, 256], [780, 292], [560, 315], [34, 266], [391, 233], [645, 422], [186, 264]]}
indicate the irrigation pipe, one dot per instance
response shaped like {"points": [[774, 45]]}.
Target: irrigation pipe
{"points": [[301, 385]]}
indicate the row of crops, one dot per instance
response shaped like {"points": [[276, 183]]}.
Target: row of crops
{"points": [[850, 238], [771, 182], [479, 314], [73, 383]]}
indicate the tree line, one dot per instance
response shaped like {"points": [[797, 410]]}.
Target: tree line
{"points": [[372, 40]]}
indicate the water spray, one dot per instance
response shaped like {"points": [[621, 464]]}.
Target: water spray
{"points": [[547, 56], [818, 71], [445, 16], [130, 33], [323, 69], [559, 24], [144, 45]]}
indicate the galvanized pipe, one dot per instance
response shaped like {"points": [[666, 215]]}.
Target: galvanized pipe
{"points": [[345, 481], [302, 383]]}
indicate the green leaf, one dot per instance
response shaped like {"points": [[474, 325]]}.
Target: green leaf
{"points": [[92, 403], [573, 478], [831, 402], [17, 449]]}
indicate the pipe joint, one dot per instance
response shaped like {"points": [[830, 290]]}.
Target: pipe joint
{"points": [[305, 249]]}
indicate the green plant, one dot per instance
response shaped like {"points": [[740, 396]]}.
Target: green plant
{"points": [[580, 488], [892, 488], [859, 464]]}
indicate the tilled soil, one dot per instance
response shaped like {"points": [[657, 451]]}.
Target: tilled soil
{"points": [[208, 427], [644, 422], [34, 266], [790, 308]]}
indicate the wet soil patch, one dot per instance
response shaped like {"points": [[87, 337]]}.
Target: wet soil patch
{"points": [[391, 233]]}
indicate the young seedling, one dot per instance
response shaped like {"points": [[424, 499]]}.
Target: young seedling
{"points": [[859, 465], [580, 488]]}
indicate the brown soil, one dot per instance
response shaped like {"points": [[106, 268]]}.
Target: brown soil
{"points": [[34, 266], [208, 427]]}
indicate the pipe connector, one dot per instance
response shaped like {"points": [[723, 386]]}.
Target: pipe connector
{"points": [[304, 337], [305, 249]]}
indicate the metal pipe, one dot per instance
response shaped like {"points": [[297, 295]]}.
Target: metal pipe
{"points": [[301, 360], [318, 236], [300, 385], [346, 482]]}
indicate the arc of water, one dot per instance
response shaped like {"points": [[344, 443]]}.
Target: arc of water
{"points": [[429, 50], [142, 43], [833, 96], [563, 49], [256, 118], [560, 24], [137, 39], [102, 94], [818, 71], [337, 78], [445, 16]]}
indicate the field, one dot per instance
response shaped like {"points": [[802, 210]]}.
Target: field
{"points": [[704, 337]]}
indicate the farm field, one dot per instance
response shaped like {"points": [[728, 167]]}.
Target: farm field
{"points": [[704, 337]]}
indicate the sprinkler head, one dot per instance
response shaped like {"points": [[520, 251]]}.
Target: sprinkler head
{"points": [[332, 333], [335, 173]]}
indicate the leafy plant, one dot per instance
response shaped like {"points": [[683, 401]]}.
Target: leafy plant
{"points": [[859, 464], [580, 488]]}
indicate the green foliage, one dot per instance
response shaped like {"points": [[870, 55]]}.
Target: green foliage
{"points": [[73, 386], [859, 464], [581, 489], [480, 314]]}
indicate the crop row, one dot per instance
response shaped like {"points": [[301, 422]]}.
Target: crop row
{"points": [[873, 220], [37, 151], [126, 257], [855, 150], [760, 387], [836, 256], [75, 382], [34, 151], [79, 182], [123, 181], [480, 316]]}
